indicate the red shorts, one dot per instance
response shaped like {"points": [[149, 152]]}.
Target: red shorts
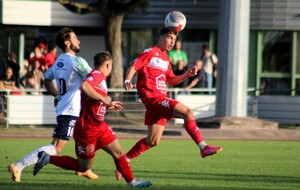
{"points": [[158, 110], [89, 139]]}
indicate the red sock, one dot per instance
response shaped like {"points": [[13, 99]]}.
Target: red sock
{"points": [[193, 130], [138, 149], [124, 168], [65, 162]]}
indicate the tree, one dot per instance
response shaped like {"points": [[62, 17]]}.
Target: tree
{"points": [[113, 12]]}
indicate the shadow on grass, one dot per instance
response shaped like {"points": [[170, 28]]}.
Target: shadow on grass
{"points": [[221, 177], [54, 178], [65, 186], [145, 131]]}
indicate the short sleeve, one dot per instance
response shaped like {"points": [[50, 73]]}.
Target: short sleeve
{"points": [[142, 59], [49, 75], [81, 66], [215, 58], [94, 78]]}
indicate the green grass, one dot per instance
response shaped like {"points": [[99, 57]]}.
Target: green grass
{"points": [[174, 164]]}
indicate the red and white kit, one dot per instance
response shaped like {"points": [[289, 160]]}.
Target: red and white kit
{"points": [[91, 132], [154, 69]]}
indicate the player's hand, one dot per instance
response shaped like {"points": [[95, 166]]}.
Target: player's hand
{"points": [[128, 85], [117, 105], [192, 71]]}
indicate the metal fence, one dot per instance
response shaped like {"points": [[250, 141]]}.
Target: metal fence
{"points": [[32, 107], [35, 107]]}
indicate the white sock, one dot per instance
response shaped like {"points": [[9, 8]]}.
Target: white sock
{"points": [[202, 145], [133, 183], [32, 157], [128, 160]]}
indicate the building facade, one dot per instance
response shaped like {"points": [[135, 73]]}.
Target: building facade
{"points": [[274, 65], [274, 62]]}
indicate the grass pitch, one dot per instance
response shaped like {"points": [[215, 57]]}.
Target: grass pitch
{"points": [[174, 164]]}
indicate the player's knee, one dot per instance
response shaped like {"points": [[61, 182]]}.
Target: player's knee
{"points": [[118, 154], [189, 114], [152, 142]]}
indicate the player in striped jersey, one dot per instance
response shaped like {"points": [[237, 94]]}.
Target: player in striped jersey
{"points": [[62, 80]]}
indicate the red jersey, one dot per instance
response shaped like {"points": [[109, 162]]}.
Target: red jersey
{"points": [[154, 69], [93, 111], [50, 59]]}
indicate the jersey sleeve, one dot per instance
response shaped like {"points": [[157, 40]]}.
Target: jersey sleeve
{"points": [[49, 59], [185, 57], [142, 59], [94, 78], [81, 66], [171, 54], [49, 75], [214, 58]]}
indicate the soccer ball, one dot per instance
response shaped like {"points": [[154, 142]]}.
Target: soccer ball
{"points": [[175, 20]]}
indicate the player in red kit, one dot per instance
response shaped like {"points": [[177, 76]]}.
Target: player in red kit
{"points": [[91, 132], [154, 72]]}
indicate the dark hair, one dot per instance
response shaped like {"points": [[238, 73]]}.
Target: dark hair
{"points": [[62, 36], [167, 31], [51, 46], [101, 57], [205, 46]]}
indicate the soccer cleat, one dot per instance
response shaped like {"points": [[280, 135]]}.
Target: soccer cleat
{"points": [[210, 150], [88, 174], [118, 175], [15, 173], [140, 184], [41, 162]]}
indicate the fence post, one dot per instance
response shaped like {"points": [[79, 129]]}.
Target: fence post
{"points": [[255, 103], [7, 109]]}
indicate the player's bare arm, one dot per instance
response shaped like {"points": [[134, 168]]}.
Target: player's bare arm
{"points": [[130, 73], [89, 90], [50, 87], [178, 79]]}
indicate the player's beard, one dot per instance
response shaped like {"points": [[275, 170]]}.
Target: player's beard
{"points": [[74, 48]]}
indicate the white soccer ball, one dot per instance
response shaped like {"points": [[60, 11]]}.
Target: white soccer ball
{"points": [[175, 20]]}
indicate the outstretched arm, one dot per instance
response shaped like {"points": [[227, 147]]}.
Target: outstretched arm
{"points": [[130, 73], [178, 79]]}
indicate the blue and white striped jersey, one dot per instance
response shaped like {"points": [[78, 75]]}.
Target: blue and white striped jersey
{"points": [[68, 72]]}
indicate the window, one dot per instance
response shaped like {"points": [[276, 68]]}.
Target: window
{"points": [[275, 86], [140, 40], [298, 54], [277, 51], [133, 43], [276, 62]]}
